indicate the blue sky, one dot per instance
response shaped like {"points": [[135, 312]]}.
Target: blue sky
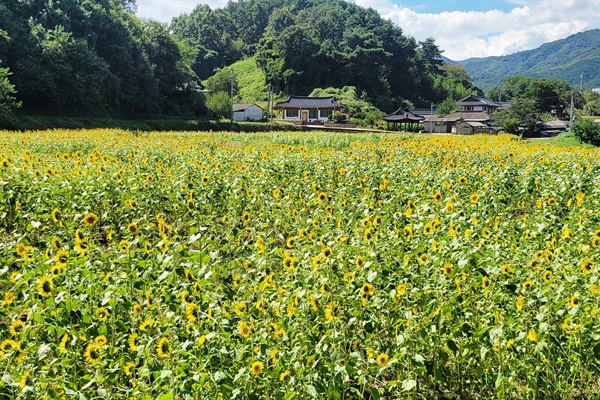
{"points": [[462, 28]]}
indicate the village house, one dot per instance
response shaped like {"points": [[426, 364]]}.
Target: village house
{"points": [[247, 112], [475, 116], [309, 110]]}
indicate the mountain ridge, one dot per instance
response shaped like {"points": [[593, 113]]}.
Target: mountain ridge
{"points": [[564, 59]]}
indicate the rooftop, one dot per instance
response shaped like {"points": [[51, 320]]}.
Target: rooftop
{"points": [[309, 102]]}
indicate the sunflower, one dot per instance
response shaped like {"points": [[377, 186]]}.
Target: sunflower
{"points": [[474, 198], [100, 340], [332, 311], [129, 369], [162, 348], [55, 271], [359, 262], [131, 341], [448, 269], [547, 276], [244, 329], [290, 242], [368, 290], [284, 375], [326, 252], [322, 196], [587, 266], [245, 217], [45, 286], [349, 277], [101, 313], [527, 284], [137, 308], [506, 269], [93, 353], [90, 219], [61, 258], [129, 203], [462, 180], [56, 215], [437, 197], [408, 232], [485, 282], [123, 246], [519, 303], [573, 301], [17, 327], [63, 343], [133, 228], [382, 359], [532, 335], [146, 324], [82, 247], [23, 380], [551, 201], [423, 258], [257, 367]]}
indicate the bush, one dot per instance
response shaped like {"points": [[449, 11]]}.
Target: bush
{"points": [[587, 131]]}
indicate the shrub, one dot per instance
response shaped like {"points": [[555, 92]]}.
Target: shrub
{"points": [[587, 131]]}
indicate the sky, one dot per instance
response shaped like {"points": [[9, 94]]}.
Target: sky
{"points": [[462, 29]]}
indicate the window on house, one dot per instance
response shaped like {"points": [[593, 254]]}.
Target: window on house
{"points": [[312, 114], [324, 113], [291, 113]]}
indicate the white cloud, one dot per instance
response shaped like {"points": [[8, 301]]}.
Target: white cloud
{"points": [[461, 34], [165, 10], [465, 34]]}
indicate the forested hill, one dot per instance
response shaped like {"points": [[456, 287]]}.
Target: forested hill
{"points": [[565, 59], [306, 44], [96, 58]]}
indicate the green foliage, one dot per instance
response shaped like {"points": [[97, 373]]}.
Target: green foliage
{"points": [[222, 81], [592, 103], [219, 103], [448, 106], [249, 80], [97, 59], [587, 131], [564, 59], [522, 114], [7, 100]]}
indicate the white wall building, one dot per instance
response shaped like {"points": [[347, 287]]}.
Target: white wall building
{"points": [[247, 112]]}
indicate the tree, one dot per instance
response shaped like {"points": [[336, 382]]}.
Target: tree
{"points": [[587, 131], [219, 104], [522, 113], [8, 103], [447, 106]]}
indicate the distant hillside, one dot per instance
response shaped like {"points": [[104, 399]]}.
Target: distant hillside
{"points": [[565, 59]]}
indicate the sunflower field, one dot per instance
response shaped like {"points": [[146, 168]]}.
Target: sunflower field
{"points": [[201, 265]]}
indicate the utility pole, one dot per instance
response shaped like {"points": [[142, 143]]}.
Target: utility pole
{"points": [[572, 111], [431, 119], [268, 101], [231, 95]]}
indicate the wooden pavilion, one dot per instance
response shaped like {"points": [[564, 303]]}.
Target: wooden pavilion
{"points": [[405, 120]]}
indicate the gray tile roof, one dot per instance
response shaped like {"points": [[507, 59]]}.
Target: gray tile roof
{"points": [[243, 106], [401, 115], [304, 102]]}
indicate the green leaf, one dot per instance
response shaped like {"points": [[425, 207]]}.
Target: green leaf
{"points": [[452, 345], [310, 389], [409, 384], [375, 394]]}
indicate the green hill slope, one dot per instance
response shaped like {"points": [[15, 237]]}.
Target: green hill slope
{"points": [[566, 59]]}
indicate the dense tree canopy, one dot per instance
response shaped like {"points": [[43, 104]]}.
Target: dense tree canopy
{"points": [[89, 57], [94, 57]]}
